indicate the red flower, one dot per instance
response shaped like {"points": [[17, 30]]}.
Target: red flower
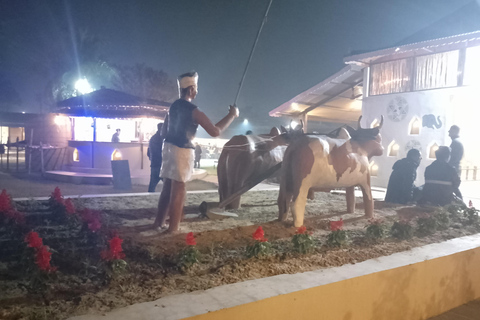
{"points": [[470, 203], [301, 230], [42, 259], [191, 239], [5, 201], [16, 216], [69, 207], [33, 240], [115, 251], [57, 195], [336, 225], [259, 235]]}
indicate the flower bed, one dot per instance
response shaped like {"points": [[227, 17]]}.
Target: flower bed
{"points": [[78, 261]]}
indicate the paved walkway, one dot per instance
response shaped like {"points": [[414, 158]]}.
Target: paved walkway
{"points": [[469, 311]]}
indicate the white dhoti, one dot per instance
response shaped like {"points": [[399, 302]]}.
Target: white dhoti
{"points": [[177, 163]]}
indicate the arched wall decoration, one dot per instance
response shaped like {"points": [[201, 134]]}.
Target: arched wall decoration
{"points": [[76, 155], [392, 149], [116, 155], [414, 126], [431, 150]]}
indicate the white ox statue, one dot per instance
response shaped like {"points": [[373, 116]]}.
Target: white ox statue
{"points": [[320, 163]]}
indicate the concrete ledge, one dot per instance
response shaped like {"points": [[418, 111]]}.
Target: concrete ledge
{"points": [[417, 284]]}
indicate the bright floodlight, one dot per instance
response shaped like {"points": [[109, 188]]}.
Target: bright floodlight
{"points": [[294, 124], [245, 121], [83, 86]]}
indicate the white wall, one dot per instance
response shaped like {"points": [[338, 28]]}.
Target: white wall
{"points": [[448, 103]]}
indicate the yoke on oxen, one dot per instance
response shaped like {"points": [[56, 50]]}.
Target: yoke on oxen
{"points": [[244, 158]]}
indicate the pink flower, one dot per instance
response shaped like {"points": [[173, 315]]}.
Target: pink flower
{"points": [[69, 207], [191, 239], [16, 216], [57, 195], [33, 240], [259, 235], [92, 219], [42, 259], [5, 201], [336, 225]]}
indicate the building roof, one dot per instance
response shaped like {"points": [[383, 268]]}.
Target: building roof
{"points": [[108, 103], [335, 99], [15, 119], [456, 30]]}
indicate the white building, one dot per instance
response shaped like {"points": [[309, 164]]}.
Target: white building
{"points": [[420, 87]]}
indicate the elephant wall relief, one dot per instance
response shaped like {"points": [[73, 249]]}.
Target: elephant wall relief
{"points": [[430, 121]]}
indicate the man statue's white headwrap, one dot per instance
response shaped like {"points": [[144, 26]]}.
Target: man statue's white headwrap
{"points": [[187, 81]]}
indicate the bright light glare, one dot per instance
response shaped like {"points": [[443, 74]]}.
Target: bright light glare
{"points": [[23, 112], [294, 124], [116, 155], [395, 147], [245, 121], [294, 106], [60, 120], [83, 86]]}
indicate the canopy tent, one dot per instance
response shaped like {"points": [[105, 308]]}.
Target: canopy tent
{"points": [[108, 103], [336, 99]]}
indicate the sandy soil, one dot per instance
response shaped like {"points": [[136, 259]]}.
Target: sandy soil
{"points": [[152, 256]]}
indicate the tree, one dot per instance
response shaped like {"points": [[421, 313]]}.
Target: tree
{"points": [[145, 82]]}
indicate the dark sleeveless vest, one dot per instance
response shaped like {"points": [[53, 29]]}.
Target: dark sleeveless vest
{"points": [[181, 126]]}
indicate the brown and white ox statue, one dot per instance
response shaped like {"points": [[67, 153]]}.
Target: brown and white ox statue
{"points": [[321, 163], [245, 157]]}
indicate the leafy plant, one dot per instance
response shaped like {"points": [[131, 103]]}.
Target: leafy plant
{"points": [[443, 220], [189, 255], [261, 247], [338, 237], [402, 230], [427, 225], [114, 256], [471, 214], [376, 229], [303, 241]]}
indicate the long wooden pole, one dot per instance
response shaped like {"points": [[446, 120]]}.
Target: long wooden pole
{"points": [[251, 52]]}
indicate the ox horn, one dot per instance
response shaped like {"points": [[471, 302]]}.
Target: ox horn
{"points": [[381, 122], [359, 126]]}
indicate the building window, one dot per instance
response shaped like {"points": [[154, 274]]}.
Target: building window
{"points": [[414, 127], [393, 148], [76, 156], [373, 169], [472, 66], [116, 155], [436, 70], [432, 150], [391, 77]]}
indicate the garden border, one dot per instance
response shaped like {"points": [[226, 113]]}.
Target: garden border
{"points": [[417, 284]]}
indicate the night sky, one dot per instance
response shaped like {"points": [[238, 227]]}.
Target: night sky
{"points": [[302, 43]]}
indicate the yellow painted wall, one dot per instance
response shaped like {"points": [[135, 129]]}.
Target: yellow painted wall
{"points": [[417, 291]]}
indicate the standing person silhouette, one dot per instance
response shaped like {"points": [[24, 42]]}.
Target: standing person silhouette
{"points": [[178, 150], [154, 153]]}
